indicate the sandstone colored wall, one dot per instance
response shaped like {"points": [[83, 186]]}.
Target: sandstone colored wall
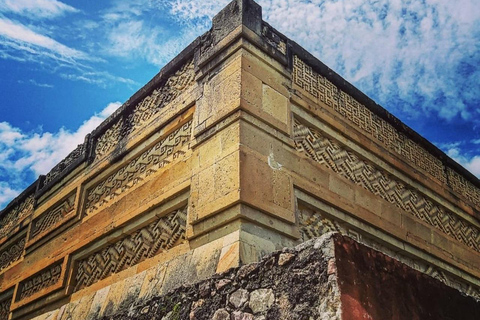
{"points": [[242, 145], [332, 277]]}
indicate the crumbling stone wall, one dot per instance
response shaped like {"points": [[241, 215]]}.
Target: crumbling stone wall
{"points": [[295, 283]]}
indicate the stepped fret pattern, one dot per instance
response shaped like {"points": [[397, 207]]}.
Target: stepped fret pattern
{"points": [[65, 163], [52, 217], [314, 224], [5, 308], [10, 219], [158, 236], [344, 162], [145, 110], [40, 281], [12, 253], [353, 111], [139, 169], [462, 186]]}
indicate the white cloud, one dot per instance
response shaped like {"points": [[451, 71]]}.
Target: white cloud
{"points": [[19, 37], [36, 8], [413, 56], [134, 39], [26, 153], [472, 164]]}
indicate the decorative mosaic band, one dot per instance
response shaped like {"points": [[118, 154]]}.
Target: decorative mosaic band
{"points": [[44, 279], [5, 308], [10, 219], [138, 169], [331, 154], [52, 217], [313, 223], [12, 252], [65, 163], [351, 110], [160, 235], [145, 110]]}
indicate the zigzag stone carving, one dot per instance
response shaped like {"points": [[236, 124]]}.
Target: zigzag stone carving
{"points": [[51, 217], [65, 163], [44, 279], [11, 218], [160, 235], [146, 109], [137, 170], [5, 308], [351, 110], [344, 162], [313, 224], [12, 253]]}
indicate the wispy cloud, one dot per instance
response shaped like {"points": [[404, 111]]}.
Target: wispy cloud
{"points": [[418, 57], [29, 154], [36, 8], [15, 35]]}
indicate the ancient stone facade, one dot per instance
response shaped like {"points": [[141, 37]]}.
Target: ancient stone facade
{"points": [[242, 145]]}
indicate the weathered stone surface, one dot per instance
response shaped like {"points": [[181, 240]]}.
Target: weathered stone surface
{"points": [[255, 145], [261, 300], [239, 298]]}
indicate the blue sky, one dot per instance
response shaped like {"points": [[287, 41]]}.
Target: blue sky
{"points": [[66, 65]]}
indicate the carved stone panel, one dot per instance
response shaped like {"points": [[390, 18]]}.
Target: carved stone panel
{"points": [[11, 218], [360, 116], [12, 252], [138, 169], [314, 223], [463, 187], [158, 236], [337, 158], [65, 163], [44, 279], [145, 110], [52, 217], [5, 307]]}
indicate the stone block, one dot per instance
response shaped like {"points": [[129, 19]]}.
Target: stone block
{"points": [[275, 104]]}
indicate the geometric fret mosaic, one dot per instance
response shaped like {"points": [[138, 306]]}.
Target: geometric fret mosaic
{"points": [[158, 236], [344, 162], [139, 169], [313, 224], [382, 131], [52, 217], [145, 110], [12, 253], [10, 219], [44, 279]]}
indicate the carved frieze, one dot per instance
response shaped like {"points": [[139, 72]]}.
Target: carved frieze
{"points": [[12, 252], [360, 116], [158, 236], [313, 224], [44, 279], [145, 110], [5, 308], [138, 169], [11, 218], [65, 163], [463, 186], [53, 216], [334, 156]]}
